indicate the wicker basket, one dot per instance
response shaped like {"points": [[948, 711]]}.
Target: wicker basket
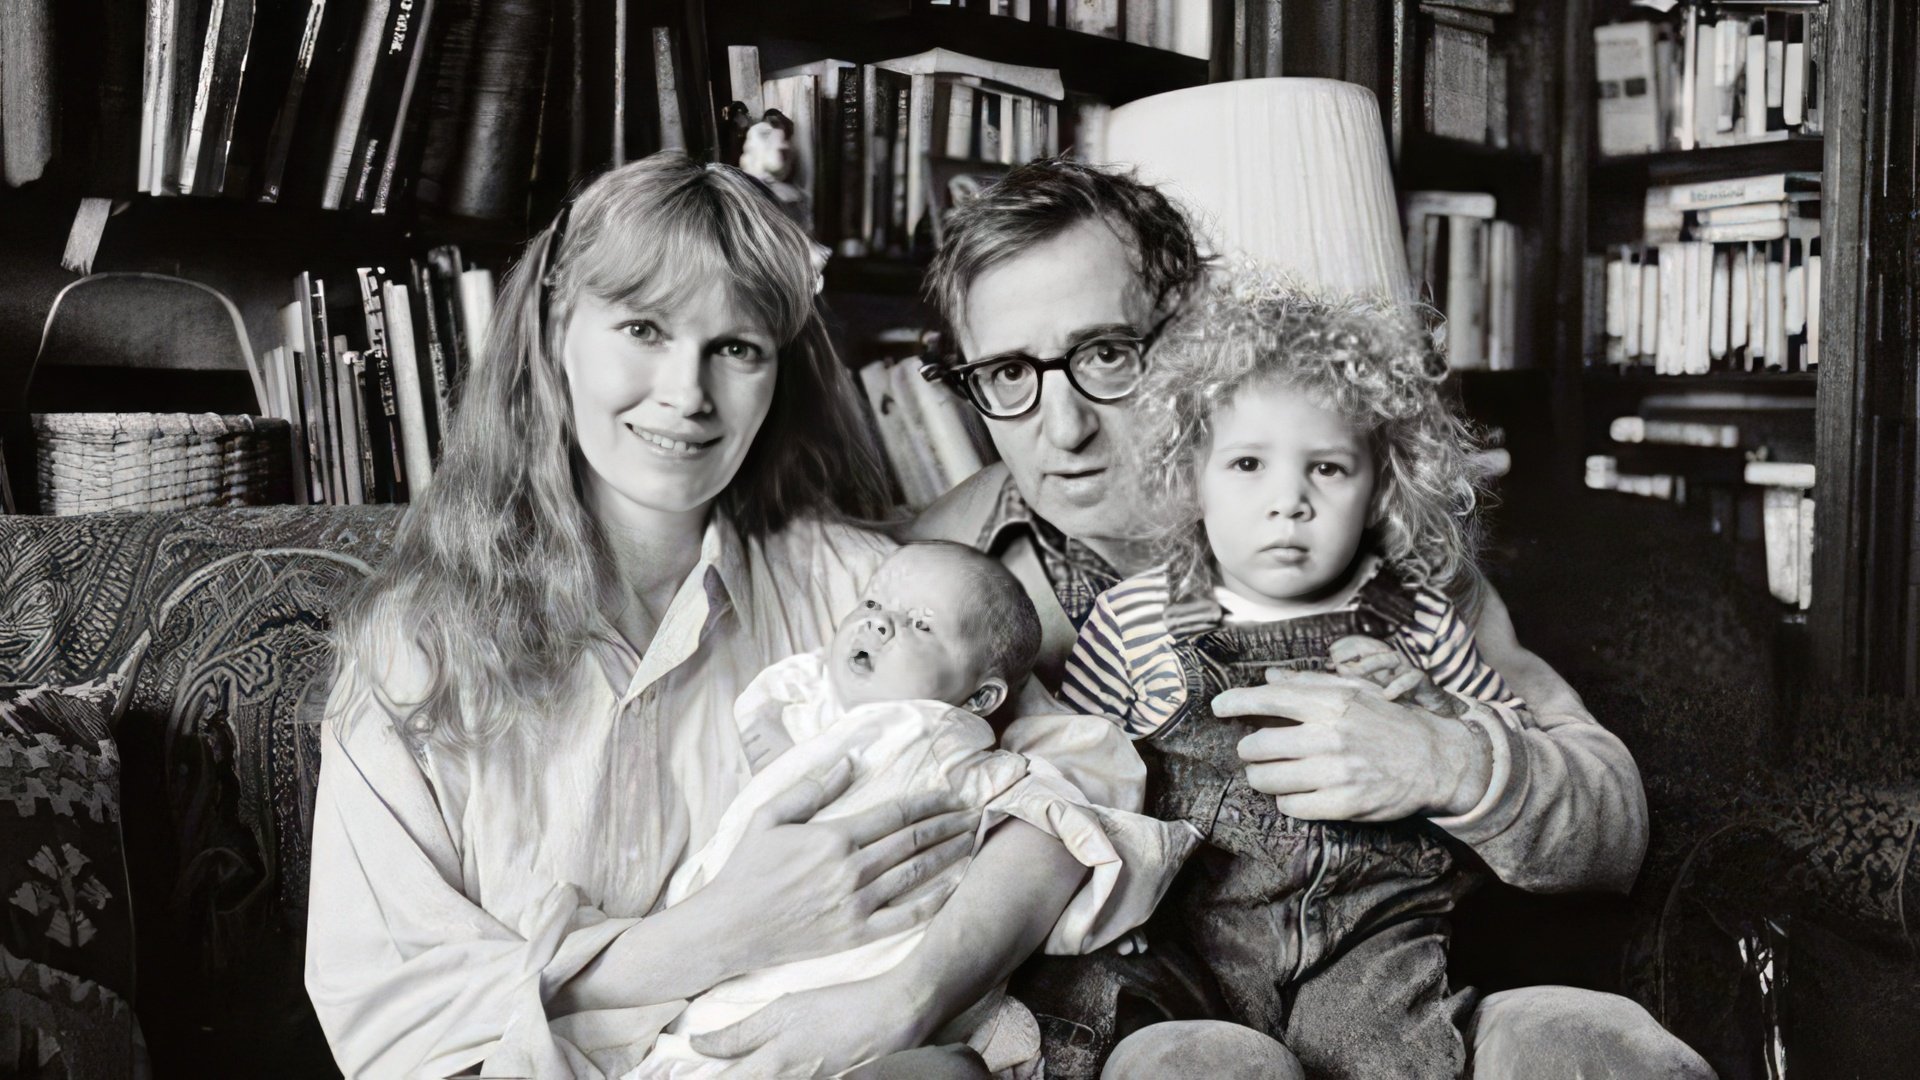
{"points": [[159, 461]]}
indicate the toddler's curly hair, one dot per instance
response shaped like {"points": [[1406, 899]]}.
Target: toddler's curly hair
{"points": [[1367, 360]]}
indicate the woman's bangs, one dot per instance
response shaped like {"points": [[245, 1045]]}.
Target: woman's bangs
{"points": [[667, 256]]}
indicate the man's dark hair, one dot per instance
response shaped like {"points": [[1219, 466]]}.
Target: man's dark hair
{"points": [[1041, 200]]}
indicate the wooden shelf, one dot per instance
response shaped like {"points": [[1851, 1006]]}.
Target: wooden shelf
{"points": [[1641, 381], [1435, 163], [1619, 177], [797, 31]]}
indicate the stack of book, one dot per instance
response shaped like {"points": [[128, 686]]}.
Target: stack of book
{"points": [[369, 406], [1728, 279], [1158, 24], [883, 150], [1466, 263], [933, 439], [1721, 74], [1466, 76]]}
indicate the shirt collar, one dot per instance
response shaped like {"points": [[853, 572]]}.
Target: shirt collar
{"points": [[723, 575], [1012, 512]]}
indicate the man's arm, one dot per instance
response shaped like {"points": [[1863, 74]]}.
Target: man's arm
{"points": [[1567, 812]]}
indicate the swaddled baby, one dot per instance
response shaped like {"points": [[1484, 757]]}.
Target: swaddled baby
{"points": [[941, 638]]}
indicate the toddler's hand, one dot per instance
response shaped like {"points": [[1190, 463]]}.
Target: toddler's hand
{"points": [[1360, 657]]}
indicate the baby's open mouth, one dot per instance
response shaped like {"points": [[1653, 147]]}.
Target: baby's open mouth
{"points": [[861, 661]]}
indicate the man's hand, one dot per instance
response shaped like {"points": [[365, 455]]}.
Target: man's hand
{"points": [[821, 1032], [1351, 754]]}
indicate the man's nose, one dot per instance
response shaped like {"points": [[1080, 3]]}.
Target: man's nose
{"points": [[1067, 420]]}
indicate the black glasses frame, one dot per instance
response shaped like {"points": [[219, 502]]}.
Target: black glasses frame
{"points": [[956, 374]]}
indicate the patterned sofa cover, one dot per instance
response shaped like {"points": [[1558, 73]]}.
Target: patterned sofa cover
{"points": [[219, 745]]}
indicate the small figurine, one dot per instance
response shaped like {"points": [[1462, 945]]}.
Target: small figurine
{"points": [[767, 155]]}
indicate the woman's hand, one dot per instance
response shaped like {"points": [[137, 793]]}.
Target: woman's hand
{"points": [[795, 888], [822, 1032], [1353, 755]]}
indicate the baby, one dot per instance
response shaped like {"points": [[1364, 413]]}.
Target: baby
{"points": [[1319, 495], [942, 637]]}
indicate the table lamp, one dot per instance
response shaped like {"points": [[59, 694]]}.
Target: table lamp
{"points": [[1291, 172]]}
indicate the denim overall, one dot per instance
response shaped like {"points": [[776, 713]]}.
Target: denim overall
{"points": [[1330, 936]]}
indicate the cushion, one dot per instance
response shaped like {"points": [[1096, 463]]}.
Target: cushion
{"points": [[66, 936]]}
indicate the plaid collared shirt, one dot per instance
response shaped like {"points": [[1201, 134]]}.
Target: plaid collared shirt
{"points": [[1078, 574]]}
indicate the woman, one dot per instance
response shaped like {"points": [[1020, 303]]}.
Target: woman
{"points": [[645, 499]]}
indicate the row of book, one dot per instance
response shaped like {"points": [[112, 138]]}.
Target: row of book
{"points": [[346, 103], [1466, 76], [932, 438], [1723, 74], [884, 150], [1178, 25], [1466, 263], [1729, 279], [367, 380]]}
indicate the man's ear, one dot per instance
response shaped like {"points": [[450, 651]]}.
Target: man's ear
{"points": [[989, 697]]}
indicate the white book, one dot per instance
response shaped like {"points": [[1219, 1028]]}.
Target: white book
{"points": [[1773, 187], [667, 94], [918, 445], [1730, 47], [1652, 311], [1630, 276], [1804, 549], [1793, 81], [346, 382], [1033, 81], [1737, 298], [1466, 292], [1796, 299], [959, 121], [1707, 90], [1755, 82], [1475, 204], [874, 381], [407, 394], [945, 426], [1776, 312], [1722, 303], [1776, 72], [1783, 474], [1616, 298], [1757, 340], [1670, 349], [1780, 526], [476, 314], [1629, 88], [1739, 234], [1747, 214], [1494, 297], [1813, 311], [1696, 359], [1686, 129]]}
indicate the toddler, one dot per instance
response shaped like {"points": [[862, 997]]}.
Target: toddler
{"points": [[1319, 498], [942, 637]]}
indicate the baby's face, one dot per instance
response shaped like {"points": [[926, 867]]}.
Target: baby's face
{"points": [[909, 637], [1287, 487]]}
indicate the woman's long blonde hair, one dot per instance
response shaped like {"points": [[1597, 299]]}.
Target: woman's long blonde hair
{"points": [[499, 575]]}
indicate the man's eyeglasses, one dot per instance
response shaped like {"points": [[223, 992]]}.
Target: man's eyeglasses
{"points": [[1102, 369]]}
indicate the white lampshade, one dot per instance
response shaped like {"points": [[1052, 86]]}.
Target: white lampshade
{"points": [[1291, 172]]}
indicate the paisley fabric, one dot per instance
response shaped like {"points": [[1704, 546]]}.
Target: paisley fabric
{"points": [[219, 740], [66, 931]]}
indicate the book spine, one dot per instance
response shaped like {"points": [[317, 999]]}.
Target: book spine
{"points": [[406, 381], [852, 165], [352, 432], [189, 163], [280, 139], [446, 267], [448, 81], [156, 60], [476, 312], [223, 97], [346, 132], [384, 403], [666, 85], [408, 118], [189, 33], [432, 322], [504, 99], [389, 97]]}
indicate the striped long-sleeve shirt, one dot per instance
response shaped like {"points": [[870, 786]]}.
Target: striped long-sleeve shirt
{"points": [[1126, 664]]}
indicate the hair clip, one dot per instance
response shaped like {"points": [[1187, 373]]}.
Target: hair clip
{"points": [[820, 253]]}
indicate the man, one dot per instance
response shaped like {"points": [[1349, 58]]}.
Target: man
{"points": [[1054, 284]]}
